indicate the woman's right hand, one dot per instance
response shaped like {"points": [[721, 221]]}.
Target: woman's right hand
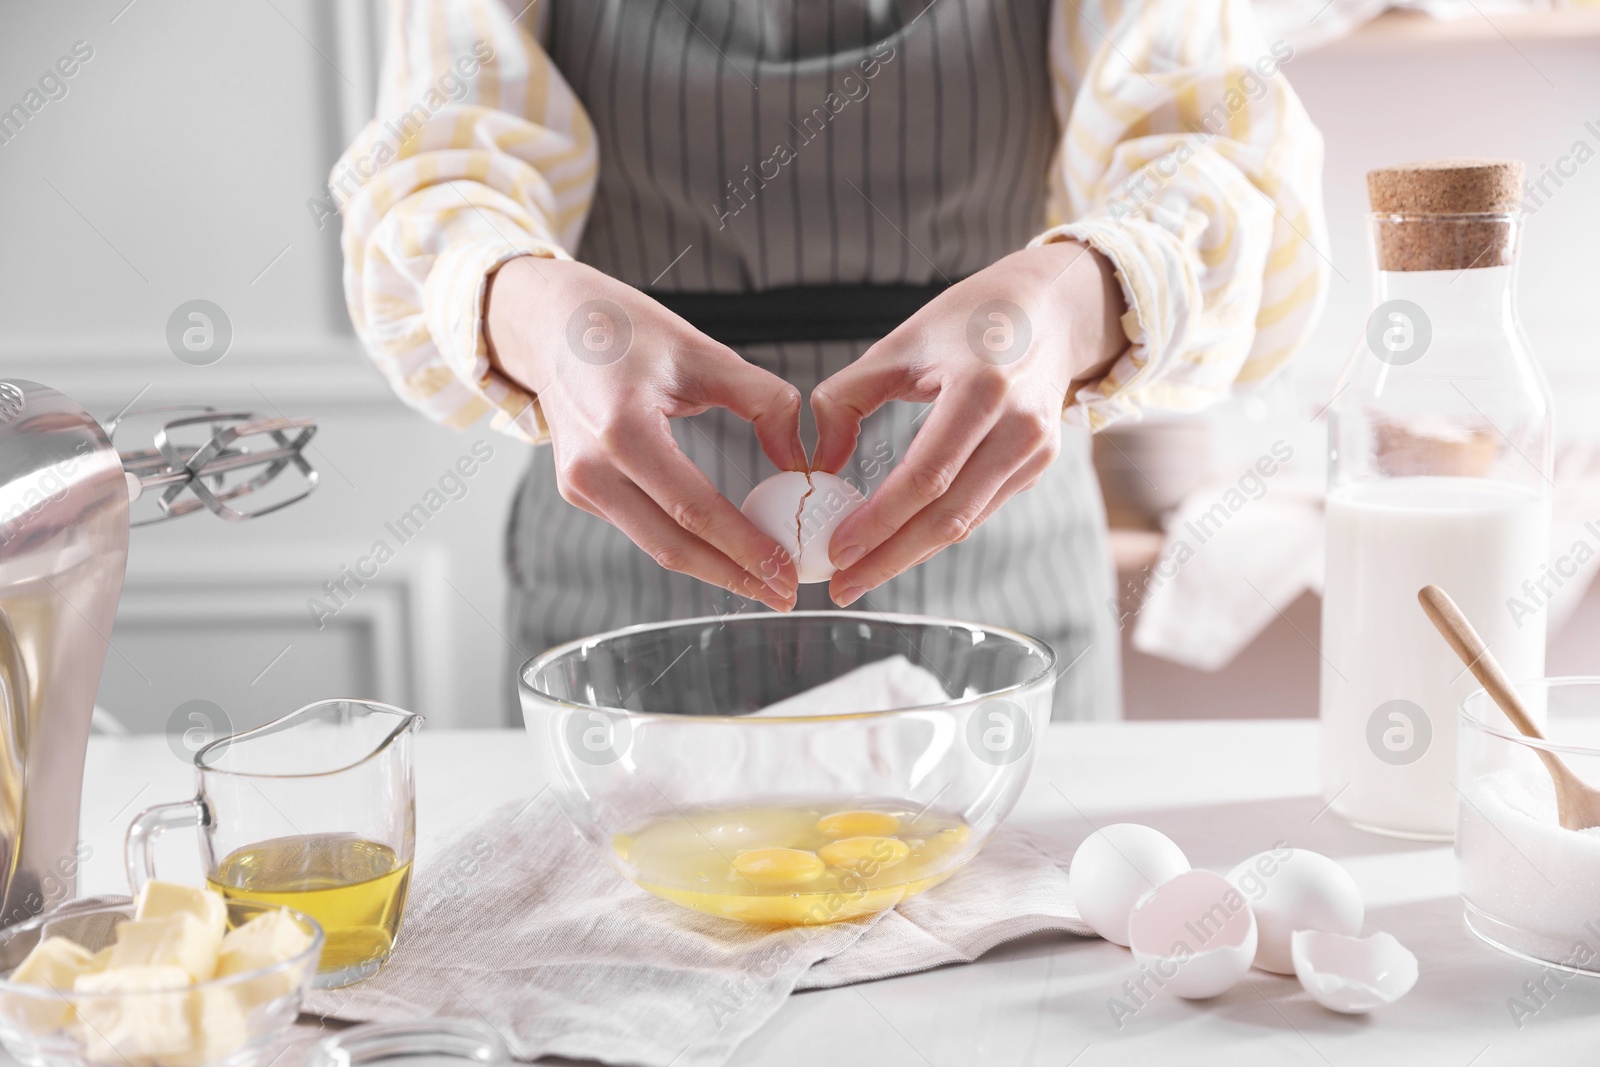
{"points": [[610, 366]]}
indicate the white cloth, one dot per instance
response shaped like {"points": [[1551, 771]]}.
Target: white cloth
{"points": [[519, 922], [697, 766], [894, 682], [1230, 565]]}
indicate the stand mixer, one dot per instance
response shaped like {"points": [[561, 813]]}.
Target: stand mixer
{"points": [[66, 496]]}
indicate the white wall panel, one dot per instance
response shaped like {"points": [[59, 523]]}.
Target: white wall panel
{"points": [[178, 166]]}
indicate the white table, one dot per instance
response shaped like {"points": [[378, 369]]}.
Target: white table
{"points": [[1222, 790]]}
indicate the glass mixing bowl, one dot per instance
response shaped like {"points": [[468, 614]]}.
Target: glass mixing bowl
{"points": [[789, 769]]}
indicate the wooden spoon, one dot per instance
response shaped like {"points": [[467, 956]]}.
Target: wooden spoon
{"points": [[1577, 804]]}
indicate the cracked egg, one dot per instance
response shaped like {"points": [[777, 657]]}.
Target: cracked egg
{"points": [[800, 511], [1353, 975]]}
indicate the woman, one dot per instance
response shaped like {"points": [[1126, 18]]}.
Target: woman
{"points": [[585, 218]]}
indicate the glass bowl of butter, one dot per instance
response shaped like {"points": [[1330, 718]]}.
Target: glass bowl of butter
{"points": [[177, 977], [789, 769]]}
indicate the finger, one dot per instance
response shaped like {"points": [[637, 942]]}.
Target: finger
{"points": [[1020, 482], [962, 417], [948, 519], [761, 398], [988, 482], [844, 399], [648, 455], [630, 510]]}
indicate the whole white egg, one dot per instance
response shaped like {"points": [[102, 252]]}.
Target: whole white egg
{"points": [[1291, 889], [1114, 867], [801, 511], [1193, 934]]}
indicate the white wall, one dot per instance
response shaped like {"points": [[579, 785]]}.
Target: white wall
{"points": [[178, 166]]}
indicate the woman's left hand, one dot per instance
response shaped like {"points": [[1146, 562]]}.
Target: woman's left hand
{"points": [[996, 355]]}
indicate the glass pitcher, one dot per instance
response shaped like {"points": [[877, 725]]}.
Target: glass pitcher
{"points": [[315, 811]]}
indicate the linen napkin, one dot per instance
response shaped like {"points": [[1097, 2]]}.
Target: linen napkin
{"points": [[891, 682], [1219, 582], [520, 923]]}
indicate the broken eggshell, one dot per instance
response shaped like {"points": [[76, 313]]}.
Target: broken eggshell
{"points": [[1195, 933], [1113, 868], [800, 511], [1352, 974], [1292, 889]]}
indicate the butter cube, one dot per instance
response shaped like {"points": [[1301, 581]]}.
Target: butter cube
{"points": [[269, 938], [164, 900], [176, 941], [142, 1017], [217, 1027], [55, 963]]}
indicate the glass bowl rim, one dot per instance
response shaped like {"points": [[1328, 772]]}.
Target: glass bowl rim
{"points": [[9, 988], [1508, 733], [892, 618]]}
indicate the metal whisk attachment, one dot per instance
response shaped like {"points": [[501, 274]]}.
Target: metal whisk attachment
{"points": [[207, 458]]}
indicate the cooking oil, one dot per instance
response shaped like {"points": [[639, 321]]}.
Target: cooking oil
{"points": [[354, 887], [795, 863]]}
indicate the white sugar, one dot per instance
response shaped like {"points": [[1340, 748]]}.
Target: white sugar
{"points": [[1520, 866]]}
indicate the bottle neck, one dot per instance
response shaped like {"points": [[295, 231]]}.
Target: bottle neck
{"points": [[1479, 296]]}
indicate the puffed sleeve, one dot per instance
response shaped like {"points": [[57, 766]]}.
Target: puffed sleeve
{"points": [[1189, 163], [480, 152]]}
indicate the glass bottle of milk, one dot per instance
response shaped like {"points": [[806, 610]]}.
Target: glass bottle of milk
{"points": [[1440, 463]]}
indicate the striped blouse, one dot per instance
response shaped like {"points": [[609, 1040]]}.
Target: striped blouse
{"points": [[1183, 157]]}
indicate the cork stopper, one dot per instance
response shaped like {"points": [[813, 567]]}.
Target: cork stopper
{"points": [[1420, 200], [1447, 187]]}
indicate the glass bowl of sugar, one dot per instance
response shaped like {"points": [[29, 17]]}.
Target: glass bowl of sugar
{"points": [[1529, 886]]}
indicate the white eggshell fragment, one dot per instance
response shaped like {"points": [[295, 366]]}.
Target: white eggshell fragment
{"points": [[800, 511], [1114, 867], [1291, 889], [1195, 933], [1352, 974]]}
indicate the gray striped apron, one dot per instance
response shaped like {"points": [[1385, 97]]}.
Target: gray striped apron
{"points": [[750, 145]]}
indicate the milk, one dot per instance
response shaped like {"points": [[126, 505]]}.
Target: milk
{"points": [[1384, 766]]}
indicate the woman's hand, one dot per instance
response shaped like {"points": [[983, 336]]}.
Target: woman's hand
{"points": [[997, 355], [610, 366]]}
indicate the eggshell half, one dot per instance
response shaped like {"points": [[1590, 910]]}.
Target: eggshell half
{"points": [[1292, 889], [1195, 933], [1114, 867], [801, 511], [1352, 974]]}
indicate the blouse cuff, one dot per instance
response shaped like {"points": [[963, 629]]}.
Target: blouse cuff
{"points": [[454, 306], [1156, 280]]}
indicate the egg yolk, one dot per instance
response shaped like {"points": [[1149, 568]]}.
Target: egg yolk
{"points": [[802, 862], [778, 866], [858, 824], [865, 854]]}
